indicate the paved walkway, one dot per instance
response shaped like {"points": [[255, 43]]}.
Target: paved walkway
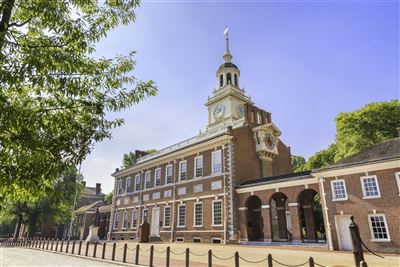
{"points": [[29, 257], [198, 255]]}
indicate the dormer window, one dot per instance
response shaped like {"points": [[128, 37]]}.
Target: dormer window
{"points": [[228, 78], [221, 80]]}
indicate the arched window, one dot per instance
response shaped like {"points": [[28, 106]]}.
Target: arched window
{"points": [[115, 219], [236, 80], [124, 218], [221, 80], [228, 78]]}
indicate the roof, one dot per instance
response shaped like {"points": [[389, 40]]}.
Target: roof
{"points": [[228, 65], [388, 149], [91, 191], [103, 207], [277, 179]]}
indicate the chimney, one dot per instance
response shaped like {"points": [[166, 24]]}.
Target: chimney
{"points": [[98, 189]]}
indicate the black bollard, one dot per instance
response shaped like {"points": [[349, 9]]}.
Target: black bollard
{"points": [[48, 243], [151, 255], [137, 254], [236, 259], [113, 252], [94, 250], [124, 255], [104, 250], [67, 246], [87, 248], [168, 256], [270, 260], [62, 244], [52, 244], [209, 258], [187, 257], [73, 247], [80, 247], [311, 262], [57, 244]]}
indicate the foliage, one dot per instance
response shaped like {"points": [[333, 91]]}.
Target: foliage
{"points": [[130, 158], [363, 128], [56, 205], [7, 223], [54, 92], [108, 197], [322, 158], [298, 163]]}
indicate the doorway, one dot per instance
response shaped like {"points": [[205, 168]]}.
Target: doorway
{"points": [[155, 222], [278, 217], [254, 219]]}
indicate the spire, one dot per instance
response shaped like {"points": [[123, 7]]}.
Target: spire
{"points": [[227, 55]]}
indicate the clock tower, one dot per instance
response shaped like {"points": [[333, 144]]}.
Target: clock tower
{"points": [[226, 105]]}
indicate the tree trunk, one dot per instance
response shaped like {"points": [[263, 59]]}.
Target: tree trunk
{"points": [[18, 227], [7, 7]]}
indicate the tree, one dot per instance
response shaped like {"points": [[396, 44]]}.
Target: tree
{"points": [[54, 92], [363, 128], [298, 163], [322, 158], [130, 158], [108, 197]]}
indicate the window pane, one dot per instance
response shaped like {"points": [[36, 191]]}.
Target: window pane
{"points": [[216, 161], [217, 210], [167, 216], [182, 215], [198, 166], [198, 211], [378, 226], [182, 170], [169, 175], [370, 186]]}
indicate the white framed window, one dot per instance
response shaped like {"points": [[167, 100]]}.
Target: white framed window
{"points": [[157, 177], [198, 214], [217, 213], [370, 187], [147, 180], [181, 215], [339, 191], [378, 227], [124, 219], [128, 184], [167, 217], [144, 214], [198, 166], [119, 186], [216, 165], [397, 175], [182, 170], [258, 118], [134, 219], [115, 225], [168, 174], [137, 182]]}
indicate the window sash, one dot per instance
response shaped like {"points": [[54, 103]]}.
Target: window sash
{"points": [[127, 184], [168, 174], [338, 190], [217, 213], [134, 219], [370, 186], [124, 219], [216, 161], [182, 170], [167, 216], [378, 227], [137, 182], [147, 180], [119, 186], [181, 215], [198, 214], [157, 178], [115, 225], [198, 166]]}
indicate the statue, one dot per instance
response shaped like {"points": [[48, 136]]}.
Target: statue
{"points": [[94, 228], [96, 219]]}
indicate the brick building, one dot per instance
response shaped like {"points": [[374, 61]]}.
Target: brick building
{"points": [[233, 183]]}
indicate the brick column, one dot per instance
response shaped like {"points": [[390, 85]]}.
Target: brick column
{"points": [[242, 224], [295, 217], [266, 215]]}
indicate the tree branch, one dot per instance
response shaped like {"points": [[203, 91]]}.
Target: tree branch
{"points": [[5, 20], [14, 24]]}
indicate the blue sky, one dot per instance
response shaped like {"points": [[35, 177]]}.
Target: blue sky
{"points": [[303, 61]]}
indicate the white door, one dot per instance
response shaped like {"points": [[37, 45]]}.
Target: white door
{"points": [[155, 221], [343, 232]]}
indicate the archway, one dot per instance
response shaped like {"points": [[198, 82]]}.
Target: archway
{"points": [[254, 219], [311, 219], [278, 217]]}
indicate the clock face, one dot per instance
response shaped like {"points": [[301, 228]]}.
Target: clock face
{"points": [[270, 141], [219, 111], [240, 110]]}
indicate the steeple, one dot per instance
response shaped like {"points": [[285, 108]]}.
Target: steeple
{"points": [[227, 55]]}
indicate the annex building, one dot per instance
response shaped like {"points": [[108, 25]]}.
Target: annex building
{"points": [[233, 183]]}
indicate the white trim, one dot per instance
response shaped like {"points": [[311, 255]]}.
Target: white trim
{"points": [[195, 167], [345, 190], [294, 204], [262, 187], [170, 214], [373, 239], [212, 214], [365, 167], [180, 167], [397, 177], [155, 177], [242, 208], [179, 214], [362, 178], [194, 214], [212, 161], [199, 231], [265, 206]]}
